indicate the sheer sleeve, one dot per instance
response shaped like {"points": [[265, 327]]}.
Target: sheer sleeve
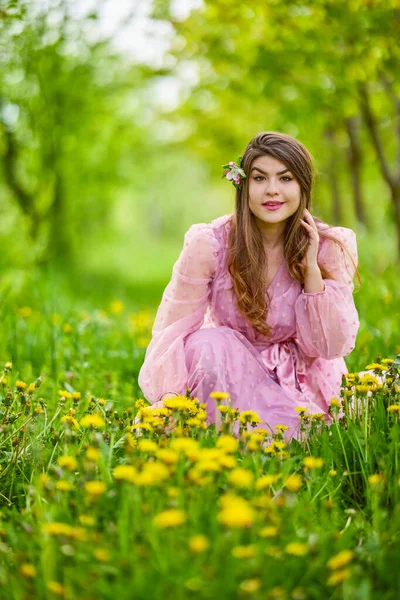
{"points": [[181, 312], [327, 322]]}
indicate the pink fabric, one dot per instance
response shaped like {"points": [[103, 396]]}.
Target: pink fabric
{"points": [[201, 341]]}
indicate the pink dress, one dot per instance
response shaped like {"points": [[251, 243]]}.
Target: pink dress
{"points": [[201, 341]]}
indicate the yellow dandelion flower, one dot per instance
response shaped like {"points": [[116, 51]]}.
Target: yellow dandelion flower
{"points": [[227, 461], [297, 549], [20, 385], [335, 402], [168, 456], [56, 588], [228, 443], [67, 462], [95, 488], [269, 531], [250, 586], [294, 482], [249, 416], [87, 520], [376, 478], [64, 486], [70, 421], [153, 473], [125, 473], [267, 480], [94, 420], [147, 446], [340, 560], [393, 408], [387, 361], [219, 395], [101, 554], [241, 478], [93, 454], [300, 409], [281, 427], [8, 366], [27, 570], [170, 518], [63, 529], [198, 543], [377, 366], [244, 551], [236, 512], [313, 463], [338, 576], [332, 472], [116, 307]]}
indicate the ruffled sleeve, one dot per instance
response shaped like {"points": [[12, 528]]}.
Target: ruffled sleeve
{"points": [[181, 312], [327, 322]]}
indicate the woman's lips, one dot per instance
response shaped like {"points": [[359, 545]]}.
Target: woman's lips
{"points": [[274, 206]]}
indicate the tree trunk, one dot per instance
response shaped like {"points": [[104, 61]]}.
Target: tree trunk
{"points": [[355, 169], [333, 177]]}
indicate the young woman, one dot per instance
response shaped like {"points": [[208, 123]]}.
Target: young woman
{"points": [[260, 303]]}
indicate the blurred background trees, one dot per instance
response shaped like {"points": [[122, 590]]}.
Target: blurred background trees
{"points": [[107, 155]]}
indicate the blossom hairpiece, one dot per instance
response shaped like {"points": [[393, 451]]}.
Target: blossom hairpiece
{"points": [[234, 172]]}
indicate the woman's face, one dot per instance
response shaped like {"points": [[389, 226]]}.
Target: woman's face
{"points": [[271, 181]]}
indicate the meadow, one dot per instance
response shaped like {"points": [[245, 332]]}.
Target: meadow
{"points": [[101, 497]]}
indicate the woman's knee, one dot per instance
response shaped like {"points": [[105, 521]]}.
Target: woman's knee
{"points": [[209, 339]]}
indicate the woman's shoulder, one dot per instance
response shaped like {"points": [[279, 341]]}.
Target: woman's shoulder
{"points": [[207, 232], [345, 235]]}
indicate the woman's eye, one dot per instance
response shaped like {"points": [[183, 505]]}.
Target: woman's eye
{"points": [[258, 177]]}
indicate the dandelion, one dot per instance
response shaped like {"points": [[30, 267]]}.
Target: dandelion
{"points": [[281, 427], [95, 488], [311, 462], [294, 482], [300, 409], [393, 408], [70, 420], [236, 512], [27, 570], [267, 480], [8, 366], [67, 462], [340, 560], [94, 420], [93, 454], [250, 586], [125, 473], [64, 486], [101, 554], [87, 520], [244, 551], [376, 367], [170, 518], [219, 395], [297, 549], [241, 478], [335, 402], [269, 531], [116, 307], [20, 385], [147, 446], [56, 588], [168, 456], [376, 479], [249, 416], [332, 472], [227, 443], [198, 543], [338, 576], [64, 395], [63, 529]]}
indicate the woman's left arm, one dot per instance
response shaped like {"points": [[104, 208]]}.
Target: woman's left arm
{"points": [[327, 321]]}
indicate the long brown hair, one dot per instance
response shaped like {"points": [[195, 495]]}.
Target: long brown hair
{"points": [[246, 256]]}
